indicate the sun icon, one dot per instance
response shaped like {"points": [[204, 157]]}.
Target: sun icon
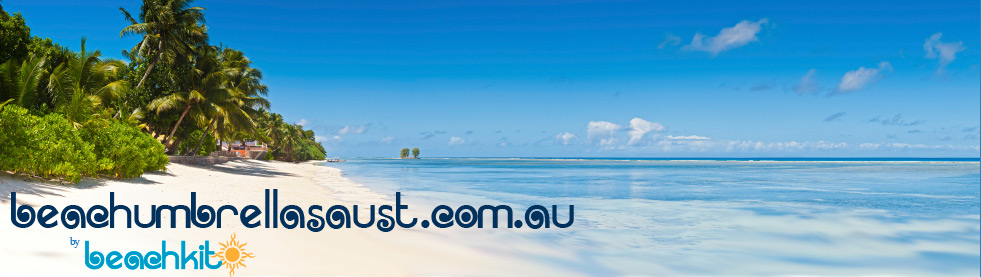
{"points": [[232, 254]]}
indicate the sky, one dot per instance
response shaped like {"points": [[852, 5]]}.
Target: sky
{"points": [[597, 78]]}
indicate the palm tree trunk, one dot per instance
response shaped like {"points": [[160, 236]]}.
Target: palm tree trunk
{"points": [[201, 140], [174, 130], [160, 48], [174, 149]]}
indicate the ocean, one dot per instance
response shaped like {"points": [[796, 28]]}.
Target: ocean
{"points": [[714, 216]]}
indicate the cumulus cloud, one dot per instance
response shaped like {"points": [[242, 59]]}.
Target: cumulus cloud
{"points": [[457, 141], [691, 137], [602, 131], [640, 127], [503, 142], [334, 140], [302, 122], [355, 130], [943, 52], [728, 38], [608, 137], [669, 39], [807, 83], [387, 140], [834, 117], [895, 120], [860, 78], [565, 138], [910, 146]]}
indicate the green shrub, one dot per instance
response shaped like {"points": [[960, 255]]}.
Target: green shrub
{"points": [[46, 146], [125, 152], [51, 147]]}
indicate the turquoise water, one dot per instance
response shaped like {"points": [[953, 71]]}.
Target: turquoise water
{"points": [[711, 217]]}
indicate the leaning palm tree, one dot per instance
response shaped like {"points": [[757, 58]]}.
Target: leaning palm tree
{"points": [[169, 28], [246, 83], [204, 84], [226, 112]]}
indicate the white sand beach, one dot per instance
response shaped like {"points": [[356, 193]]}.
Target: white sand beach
{"points": [[37, 251]]}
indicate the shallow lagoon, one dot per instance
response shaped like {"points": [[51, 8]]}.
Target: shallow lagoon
{"points": [[709, 217]]}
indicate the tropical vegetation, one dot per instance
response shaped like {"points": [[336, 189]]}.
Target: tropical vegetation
{"points": [[404, 153], [71, 114]]}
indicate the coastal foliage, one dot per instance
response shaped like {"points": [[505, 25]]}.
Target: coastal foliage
{"points": [[14, 35], [123, 151], [288, 142], [415, 152], [47, 146], [50, 146], [404, 153], [74, 114]]}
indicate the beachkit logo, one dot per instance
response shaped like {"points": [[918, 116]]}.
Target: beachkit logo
{"points": [[232, 255]]}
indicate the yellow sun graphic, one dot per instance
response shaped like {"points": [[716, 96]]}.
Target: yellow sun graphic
{"points": [[232, 254]]}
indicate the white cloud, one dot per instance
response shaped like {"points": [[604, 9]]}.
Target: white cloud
{"points": [[355, 130], [944, 52], [602, 130], [387, 140], [909, 146], [807, 83], [457, 141], [640, 127], [691, 137], [860, 78], [333, 140], [607, 137], [565, 138], [302, 122], [728, 38], [669, 39]]}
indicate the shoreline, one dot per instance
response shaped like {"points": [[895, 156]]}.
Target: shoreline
{"points": [[732, 160], [281, 252]]}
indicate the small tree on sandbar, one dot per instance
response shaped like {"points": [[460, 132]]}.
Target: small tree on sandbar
{"points": [[415, 152], [404, 153]]}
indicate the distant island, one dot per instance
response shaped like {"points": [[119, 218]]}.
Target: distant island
{"points": [[405, 153]]}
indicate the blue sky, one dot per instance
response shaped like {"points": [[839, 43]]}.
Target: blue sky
{"points": [[598, 78]]}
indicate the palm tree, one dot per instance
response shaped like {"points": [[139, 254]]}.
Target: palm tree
{"points": [[245, 98], [86, 81], [225, 111], [245, 80], [205, 83], [19, 80], [169, 28]]}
